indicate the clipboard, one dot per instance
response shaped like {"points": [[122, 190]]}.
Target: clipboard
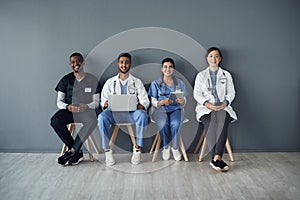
{"points": [[175, 95]]}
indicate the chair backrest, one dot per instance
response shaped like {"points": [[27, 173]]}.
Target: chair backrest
{"points": [[123, 123], [151, 111]]}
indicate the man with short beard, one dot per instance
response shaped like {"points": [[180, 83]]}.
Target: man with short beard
{"points": [[123, 83], [78, 96]]}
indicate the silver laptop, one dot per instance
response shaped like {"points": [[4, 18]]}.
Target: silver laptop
{"points": [[122, 102]]}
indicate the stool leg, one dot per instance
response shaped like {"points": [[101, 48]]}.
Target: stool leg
{"points": [[88, 147], [131, 133], [158, 141], [114, 136], [91, 137], [183, 149], [199, 142], [202, 150], [154, 142], [71, 130], [228, 147]]}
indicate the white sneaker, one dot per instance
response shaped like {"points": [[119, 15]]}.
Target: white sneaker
{"points": [[109, 159], [136, 156], [176, 154], [166, 153]]}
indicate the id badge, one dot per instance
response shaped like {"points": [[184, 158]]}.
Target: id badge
{"points": [[87, 89]]}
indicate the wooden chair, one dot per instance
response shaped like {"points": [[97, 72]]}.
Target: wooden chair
{"points": [[91, 138], [116, 131], [202, 140], [157, 141], [129, 128]]}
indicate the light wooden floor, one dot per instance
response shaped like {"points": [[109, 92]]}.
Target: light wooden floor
{"points": [[252, 176]]}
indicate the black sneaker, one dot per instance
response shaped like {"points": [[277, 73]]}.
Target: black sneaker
{"points": [[216, 165], [65, 157], [224, 166], [76, 158]]}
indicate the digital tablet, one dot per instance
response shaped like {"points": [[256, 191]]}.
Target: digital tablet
{"points": [[175, 95]]}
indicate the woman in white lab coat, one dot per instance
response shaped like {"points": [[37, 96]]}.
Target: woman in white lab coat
{"points": [[214, 92]]}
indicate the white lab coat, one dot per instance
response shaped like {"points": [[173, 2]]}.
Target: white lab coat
{"points": [[139, 88], [203, 93]]}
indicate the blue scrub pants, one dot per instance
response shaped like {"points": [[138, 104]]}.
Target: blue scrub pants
{"points": [[108, 118], [168, 124]]}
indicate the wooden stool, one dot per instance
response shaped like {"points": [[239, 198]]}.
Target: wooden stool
{"points": [[157, 141], [202, 141], [116, 131], [87, 144]]}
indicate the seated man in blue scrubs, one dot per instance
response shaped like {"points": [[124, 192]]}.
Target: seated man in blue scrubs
{"points": [[123, 83]]}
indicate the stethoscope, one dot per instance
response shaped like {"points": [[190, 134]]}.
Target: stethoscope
{"points": [[115, 83], [163, 89], [222, 80], [131, 88]]}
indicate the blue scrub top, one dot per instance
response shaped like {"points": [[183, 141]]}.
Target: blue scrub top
{"points": [[159, 90]]}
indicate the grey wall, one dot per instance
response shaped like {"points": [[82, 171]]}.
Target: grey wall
{"points": [[259, 39]]}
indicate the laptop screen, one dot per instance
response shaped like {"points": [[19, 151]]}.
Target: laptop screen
{"points": [[122, 102]]}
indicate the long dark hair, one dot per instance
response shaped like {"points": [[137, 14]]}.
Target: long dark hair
{"points": [[173, 63]]}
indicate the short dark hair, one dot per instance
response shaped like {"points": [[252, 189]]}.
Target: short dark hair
{"points": [[168, 60], [125, 54], [77, 54]]}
